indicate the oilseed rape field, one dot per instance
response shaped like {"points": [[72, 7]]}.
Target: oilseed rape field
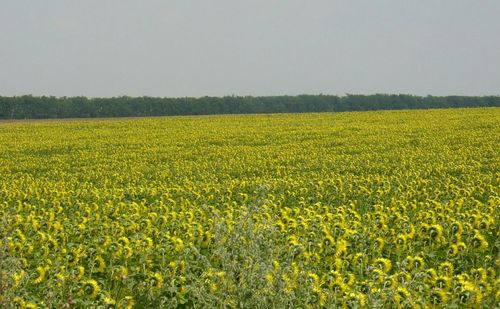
{"points": [[389, 209]]}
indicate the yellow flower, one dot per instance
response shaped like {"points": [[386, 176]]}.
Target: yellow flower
{"points": [[461, 247], [318, 297], [178, 245], [430, 275], [479, 274], [327, 241], [341, 248], [80, 271], [183, 289], [479, 242], [20, 236], [402, 296], [422, 231], [156, 280], [129, 302], [52, 244], [120, 273], [379, 243], [354, 300], [127, 252], [105, 241], [403, 277], [99, 265], [269, 278], [383, 264], [338, 287], [446, 268], [379, 275], [90, 288], [457, 248], [418, 263], [350, 279], [40, 273], [147, 242], [438, 297], [61, 275], [123, 241], [410, 230], [400, 242], [213, 287], [18, 276], [359, 259], [469, 294], [31, 305], [435, 232], [313, 279], [456, 227], [276, 266], [107, 300], [19, 302], [73, 257], [390, 282], [182, 267], [443, 283], [408, 263]]}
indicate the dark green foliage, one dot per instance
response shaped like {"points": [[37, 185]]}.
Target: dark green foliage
{"points": [[30, 107]]}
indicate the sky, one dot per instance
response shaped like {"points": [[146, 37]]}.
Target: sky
{"points": [[170, 48]]}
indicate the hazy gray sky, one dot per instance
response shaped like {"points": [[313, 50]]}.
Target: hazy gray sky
{"points": [[253, 47]]}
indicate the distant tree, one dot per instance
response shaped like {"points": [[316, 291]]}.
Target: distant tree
{"points": [[28, 106]]}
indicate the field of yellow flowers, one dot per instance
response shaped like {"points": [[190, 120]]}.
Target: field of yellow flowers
{"points": [[391, 209]]}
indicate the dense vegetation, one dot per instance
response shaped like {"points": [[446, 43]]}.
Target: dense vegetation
{"points": [[391, 209], [29, 107]]}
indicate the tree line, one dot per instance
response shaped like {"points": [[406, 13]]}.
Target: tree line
{"points": [[33, 107]]}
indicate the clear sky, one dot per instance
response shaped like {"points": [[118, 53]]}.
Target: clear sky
{"points": [[253, 47]]}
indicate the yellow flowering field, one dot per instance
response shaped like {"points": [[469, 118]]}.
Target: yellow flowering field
{"points": [[389, 209]]}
